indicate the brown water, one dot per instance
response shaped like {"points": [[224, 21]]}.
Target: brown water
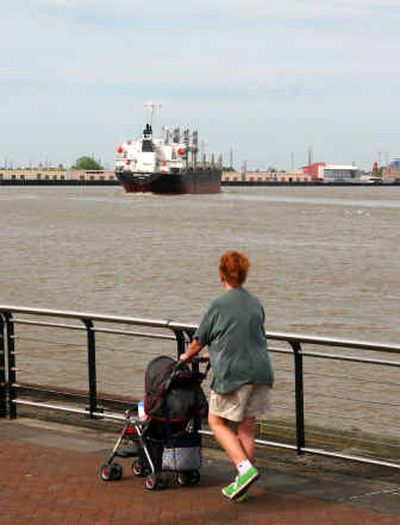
{"points": [[325, 261]]}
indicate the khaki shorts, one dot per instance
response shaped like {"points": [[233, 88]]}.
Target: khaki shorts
{"points": [[245, 401]]}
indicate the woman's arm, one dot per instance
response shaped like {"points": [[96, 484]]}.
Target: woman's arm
{"points": [[193, 349]]}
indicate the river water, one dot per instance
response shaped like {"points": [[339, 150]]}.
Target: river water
{"points": [[325, 261]]}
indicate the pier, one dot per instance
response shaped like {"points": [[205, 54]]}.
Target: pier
{"points": [[54, 439]]}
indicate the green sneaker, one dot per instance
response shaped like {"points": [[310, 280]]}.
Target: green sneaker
{"points": [[241, 483], [227, 491]]}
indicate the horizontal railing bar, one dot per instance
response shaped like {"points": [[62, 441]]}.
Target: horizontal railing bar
{"points": [[359, 459], [108, 415], [308, 450], [104, 330], [277, 336], [355, 359], [326, 341], [139, 334], [279, 350], [119, 417], [62, 408], [51, 325], [338, 455], [87, 316], [320, 355]]}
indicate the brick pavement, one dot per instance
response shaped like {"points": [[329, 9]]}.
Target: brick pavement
{"points": [[56, 485]]}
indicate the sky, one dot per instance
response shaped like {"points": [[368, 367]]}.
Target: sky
{"points": [[265, 79]]}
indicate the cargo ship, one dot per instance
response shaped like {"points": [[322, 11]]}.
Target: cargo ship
{"points": [[166, 165]]}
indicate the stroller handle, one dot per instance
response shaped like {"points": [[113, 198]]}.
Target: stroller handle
{"points": [[201, 359], [195, 359], [182, 364]]}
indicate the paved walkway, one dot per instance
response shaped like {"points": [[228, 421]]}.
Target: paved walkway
{"points": [[49, 476]]}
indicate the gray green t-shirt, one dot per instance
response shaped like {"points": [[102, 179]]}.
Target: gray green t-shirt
{"points": [[233, 329]]}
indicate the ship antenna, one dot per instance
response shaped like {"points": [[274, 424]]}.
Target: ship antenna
{"points": [[153, 107]]}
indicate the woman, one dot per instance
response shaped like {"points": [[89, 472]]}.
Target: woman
{"points": [[233, 329]]}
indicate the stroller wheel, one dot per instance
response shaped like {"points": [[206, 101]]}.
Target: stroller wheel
{"points": [[193, 477], [151, 482], [182, 478], [106, 472], [138, 469], [162, 481], [116, 471]]}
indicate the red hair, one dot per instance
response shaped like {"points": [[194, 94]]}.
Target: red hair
{"points": [[233, 267]]}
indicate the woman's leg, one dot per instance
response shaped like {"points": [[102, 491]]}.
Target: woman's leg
{"points": [[246, 433], [228, 440]]}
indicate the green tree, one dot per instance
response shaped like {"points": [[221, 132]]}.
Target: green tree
{"points": [[86, 163]]}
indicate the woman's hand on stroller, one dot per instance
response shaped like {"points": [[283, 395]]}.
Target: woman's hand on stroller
{"points": [[193, 349], [184, 358]]}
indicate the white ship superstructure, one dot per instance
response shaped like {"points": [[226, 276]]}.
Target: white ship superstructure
{"points": [[158, 155]]}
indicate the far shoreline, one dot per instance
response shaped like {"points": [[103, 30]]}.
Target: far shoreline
{"points": [[226, 183]]}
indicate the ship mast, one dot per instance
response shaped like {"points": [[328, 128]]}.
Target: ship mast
{"points": [[153, 107]]}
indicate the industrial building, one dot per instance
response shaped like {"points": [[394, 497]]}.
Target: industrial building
{"points": [[41, 174], [332, 172], [35, 173], [266, 176]]}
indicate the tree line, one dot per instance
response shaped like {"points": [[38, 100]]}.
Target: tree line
{"points": [[87, 163]]}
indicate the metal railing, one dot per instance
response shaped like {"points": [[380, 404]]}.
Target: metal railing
{"points": [[181, 335]]}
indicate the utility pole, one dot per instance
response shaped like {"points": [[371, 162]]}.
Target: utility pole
{"points": [[292, 161], [310, 155], [244, 169]]}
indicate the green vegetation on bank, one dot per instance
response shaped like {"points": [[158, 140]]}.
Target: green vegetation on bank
{"points": [[86, 163]]}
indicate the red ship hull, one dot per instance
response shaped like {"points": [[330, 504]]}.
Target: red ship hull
{"points": [[191, 181]]}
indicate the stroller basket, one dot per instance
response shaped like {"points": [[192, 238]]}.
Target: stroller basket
{"points": [[182, 453]]}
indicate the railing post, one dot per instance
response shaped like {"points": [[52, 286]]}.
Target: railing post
{"points": [[3, 387], [92, 379], [180, 342], [299, 390], [11, 370]]}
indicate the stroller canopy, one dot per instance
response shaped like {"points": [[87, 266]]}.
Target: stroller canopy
{"points": [[171, 394]]}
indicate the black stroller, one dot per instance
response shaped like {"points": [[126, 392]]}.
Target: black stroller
{"points": [[168, 439]]}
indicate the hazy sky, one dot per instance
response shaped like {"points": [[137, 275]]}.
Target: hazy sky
{"points": [[267, 78]]}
